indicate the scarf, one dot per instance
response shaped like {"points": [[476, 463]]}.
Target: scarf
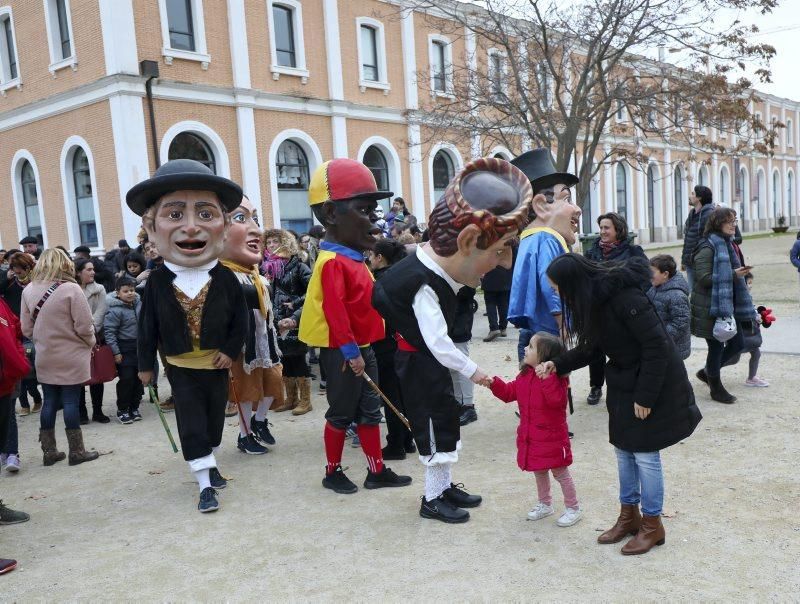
{"points": [[255, 277], [729, 295], [273, 265], [608, 247]]}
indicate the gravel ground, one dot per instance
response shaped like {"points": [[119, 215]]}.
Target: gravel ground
{"points": [[125, 527]]}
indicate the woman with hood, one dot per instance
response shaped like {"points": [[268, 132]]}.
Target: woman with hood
{"points": [[289, 278], [650, 401]]}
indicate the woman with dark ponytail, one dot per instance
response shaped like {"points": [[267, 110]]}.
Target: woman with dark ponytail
{"points": [[398, 439]]}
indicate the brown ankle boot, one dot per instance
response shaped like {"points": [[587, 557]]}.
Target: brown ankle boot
{"points": [[305, 396], [650, 533], [290, 401], [628, 523], [77, 454], [50, 453]]}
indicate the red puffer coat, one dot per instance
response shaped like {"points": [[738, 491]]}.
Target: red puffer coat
{"points": [[13, 362], [542, 436]]}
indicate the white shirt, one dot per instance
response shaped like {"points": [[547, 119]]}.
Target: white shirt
{"points": [[432, 324], [190, 280]]}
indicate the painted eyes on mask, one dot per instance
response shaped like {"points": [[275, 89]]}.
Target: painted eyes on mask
{"points": [[239, 217]]}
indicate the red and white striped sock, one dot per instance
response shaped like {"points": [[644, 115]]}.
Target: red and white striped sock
{"points": [[334, 444], [370, 437]]}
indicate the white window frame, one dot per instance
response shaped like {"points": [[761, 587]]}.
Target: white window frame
{"points": [[380, 48], [209, 136], [200, 54], [54, 42], [301, 71], [68, 151], [392, 158], [448, 65], [495, 52], [6, 81], [19, 198], [789, 129]]}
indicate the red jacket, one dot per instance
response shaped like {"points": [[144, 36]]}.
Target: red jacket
{"points": [[542, 436], [13, 362]]}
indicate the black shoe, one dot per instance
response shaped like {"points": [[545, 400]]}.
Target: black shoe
{"points": [[718, 392], [261, 431], [393, 453], [460, 498], [124, 417], [441, 509], [218, 481], [135, 415], [594, 395], [701, 375], [208, 501], [248, 444], [385, 478], [468, 415], [100, 417], [410, 447], [338, 482]]}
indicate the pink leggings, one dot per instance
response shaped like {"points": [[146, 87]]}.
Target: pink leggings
{"points": [[564, 478]]}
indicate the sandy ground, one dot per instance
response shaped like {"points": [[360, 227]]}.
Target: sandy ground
{"points": [[125, 527]]}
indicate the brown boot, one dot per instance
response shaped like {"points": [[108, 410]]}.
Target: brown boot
{"points": [[77, 454], [305, 396], [290, 401], [650, 533], [628, 523], [51, 453]]}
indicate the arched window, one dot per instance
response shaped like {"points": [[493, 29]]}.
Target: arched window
{"points": [[776, 194], [376, 162], [84, 200], [188, 145], [702, 176], [443, 173], [291, 169], [651, 202], [30, 198], [677, 188], [724, 187], [622, 191]]}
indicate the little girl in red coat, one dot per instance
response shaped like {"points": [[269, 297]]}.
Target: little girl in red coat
{"points": [[542, 437]]}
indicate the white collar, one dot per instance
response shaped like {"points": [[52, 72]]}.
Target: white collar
{"points": [[176, 268], [432, 265]]}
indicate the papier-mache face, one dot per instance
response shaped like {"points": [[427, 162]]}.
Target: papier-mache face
{"points": [[187, 227], [555, 208], [243, 242]]}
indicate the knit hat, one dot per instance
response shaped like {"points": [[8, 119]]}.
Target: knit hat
{"points": [[342, 180]]}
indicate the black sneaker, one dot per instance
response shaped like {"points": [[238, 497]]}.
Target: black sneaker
{"points": [[385, 478], [248, 444], [261, 431], [218, 481], [338, 482], [135, 415], [393, 452], [208, 501], [410, 447], [460, 498], [124, 417], [441, 509], [9, 516], [594, 395], [468, 415]]}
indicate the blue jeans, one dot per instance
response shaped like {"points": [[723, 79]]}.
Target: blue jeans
{"points": [[641, 479], [525, 336], [67, 396], [690, 277]]}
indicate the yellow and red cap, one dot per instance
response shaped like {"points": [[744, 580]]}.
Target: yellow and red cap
{"points": [[341, 180]]}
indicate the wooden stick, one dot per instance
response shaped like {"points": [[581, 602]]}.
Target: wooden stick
{"points": [[387, 401]]}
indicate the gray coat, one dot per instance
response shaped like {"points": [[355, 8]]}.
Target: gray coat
{"points": [[672, 304], [121, 322]]}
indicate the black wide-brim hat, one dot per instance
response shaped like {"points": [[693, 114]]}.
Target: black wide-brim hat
{"points": [[183, 175], [539, 167]]}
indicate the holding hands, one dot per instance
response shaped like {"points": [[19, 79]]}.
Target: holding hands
{"points": [[545, 369], [480, 378]]}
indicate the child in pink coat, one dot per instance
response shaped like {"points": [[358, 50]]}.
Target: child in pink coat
{"points": [[542, 437]]}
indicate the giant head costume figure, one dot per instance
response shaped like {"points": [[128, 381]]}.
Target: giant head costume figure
{"points": [[243, 241], [184, 211]]}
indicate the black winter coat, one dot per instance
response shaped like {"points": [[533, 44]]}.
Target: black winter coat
{"points": [[643, 367], [623, 251], [497, 280], [466, 307], [388, 345], [693, 232], [291, 289]]}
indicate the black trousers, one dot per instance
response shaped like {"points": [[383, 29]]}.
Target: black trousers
{"points": [[200, 396], [129, 388], [497, 309], [29, 386], [295, 366], [597, 371], [350, 398], [96, 392], [397, 435]]}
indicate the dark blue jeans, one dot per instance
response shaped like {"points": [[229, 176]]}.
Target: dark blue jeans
{"points": [[525, 336], [10, 444], [67, 396], [720, 353]]}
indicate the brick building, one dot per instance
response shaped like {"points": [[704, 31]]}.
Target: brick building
{"points": [[263, 91]]}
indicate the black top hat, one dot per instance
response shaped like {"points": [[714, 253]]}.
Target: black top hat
{"points": [[540, 169], [183, 174]]}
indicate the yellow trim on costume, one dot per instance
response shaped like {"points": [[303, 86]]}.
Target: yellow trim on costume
{"points": [[261, 290], [314, 329], [533, 230], [196, 359], [318, 191]]}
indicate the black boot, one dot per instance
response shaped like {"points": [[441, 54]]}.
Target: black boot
{"points": [[718, 392], [441, 509], [98, 415], [701, 375], [595, 394]]}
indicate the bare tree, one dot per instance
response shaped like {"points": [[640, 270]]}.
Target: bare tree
{"points": [[561, 73]]}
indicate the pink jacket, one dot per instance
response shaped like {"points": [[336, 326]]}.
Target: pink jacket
{"points": [[63, 335], [542, 436]]}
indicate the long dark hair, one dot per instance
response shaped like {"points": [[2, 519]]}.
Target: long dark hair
{"points": [[80, 264], [392, 250]]}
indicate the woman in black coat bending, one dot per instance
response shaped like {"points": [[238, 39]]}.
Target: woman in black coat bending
{"points": [[650, 401]]}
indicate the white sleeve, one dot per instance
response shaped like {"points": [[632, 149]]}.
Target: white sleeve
{"points": [[433, 328]]}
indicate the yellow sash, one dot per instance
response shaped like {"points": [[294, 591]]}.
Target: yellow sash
{"points": [[533, 230], [256, 277]]}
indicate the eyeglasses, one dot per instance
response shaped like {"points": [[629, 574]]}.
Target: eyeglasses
{"points": [[733, 221]]}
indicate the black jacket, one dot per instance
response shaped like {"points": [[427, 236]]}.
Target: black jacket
{"points": [[163, 326], [291, 289], [643, 367], [497, 280], [388, 345], [693, 232], [466, 307], [623, 251]]}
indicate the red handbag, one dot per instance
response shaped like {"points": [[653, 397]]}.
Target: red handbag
{"points": [[103, 367]]}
